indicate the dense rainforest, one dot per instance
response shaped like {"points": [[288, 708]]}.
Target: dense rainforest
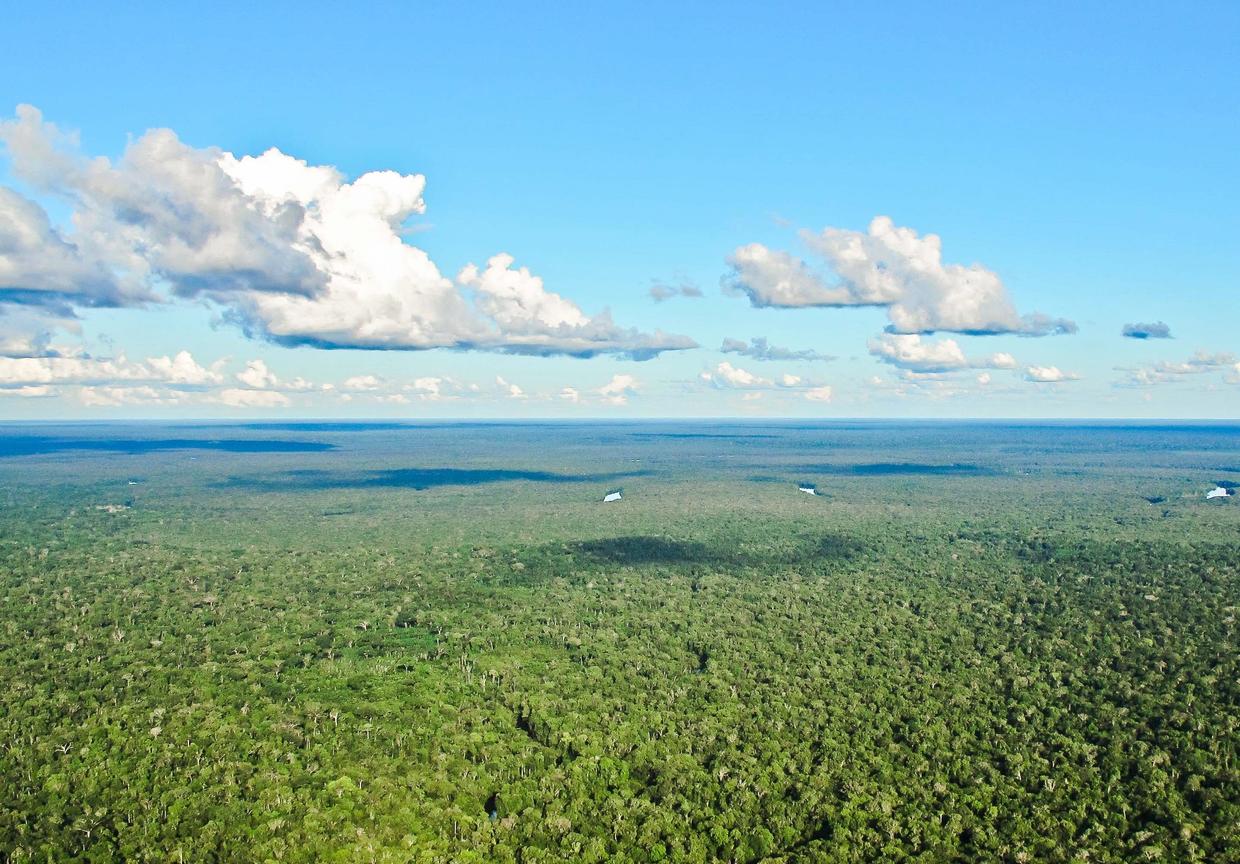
{"points": [[427, 643]]}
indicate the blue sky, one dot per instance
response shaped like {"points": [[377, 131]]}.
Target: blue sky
{"points": [[1082, 158]]}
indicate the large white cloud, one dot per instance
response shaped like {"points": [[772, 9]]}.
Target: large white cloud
{"points": [[912, 352], [40, 268], [291, 252], [886, 266]]}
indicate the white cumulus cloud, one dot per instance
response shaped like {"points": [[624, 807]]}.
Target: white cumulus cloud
{"points": [[291, 252], [362, 382], [40, 267], [108, 397], [618, 390], [725, 376], [512, 391], [257, 376], [1169, 371], [1049, 375], [886, 266], [912, 352], [236, 397], [181, 370], [428, 388]]}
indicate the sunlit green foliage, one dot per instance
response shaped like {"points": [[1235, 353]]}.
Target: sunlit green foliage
{"points": [[250, 662]]}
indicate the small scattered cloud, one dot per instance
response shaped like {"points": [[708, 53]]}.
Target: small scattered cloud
{"points": [[618, 390], [535, 321], [18, 341], [180, 370], [938, 386], [243, 398], [1157, 330], [1049, 375], [257, 376], [890, 267], [726, 376], [661, 290], [110, 397], [29, 391], [176, 379], [1168, 372], [428, 388], [912, 352], [758, 348], [362, 382], [510, 390]]}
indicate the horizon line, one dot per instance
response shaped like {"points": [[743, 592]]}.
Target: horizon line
{"points": [[603, 419]]}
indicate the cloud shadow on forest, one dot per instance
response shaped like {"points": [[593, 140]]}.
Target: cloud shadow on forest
{"points": [[735, 436], [902, 469], [640, 550], [646, 549], [312, 426], [41, 445], [410, 478]]}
